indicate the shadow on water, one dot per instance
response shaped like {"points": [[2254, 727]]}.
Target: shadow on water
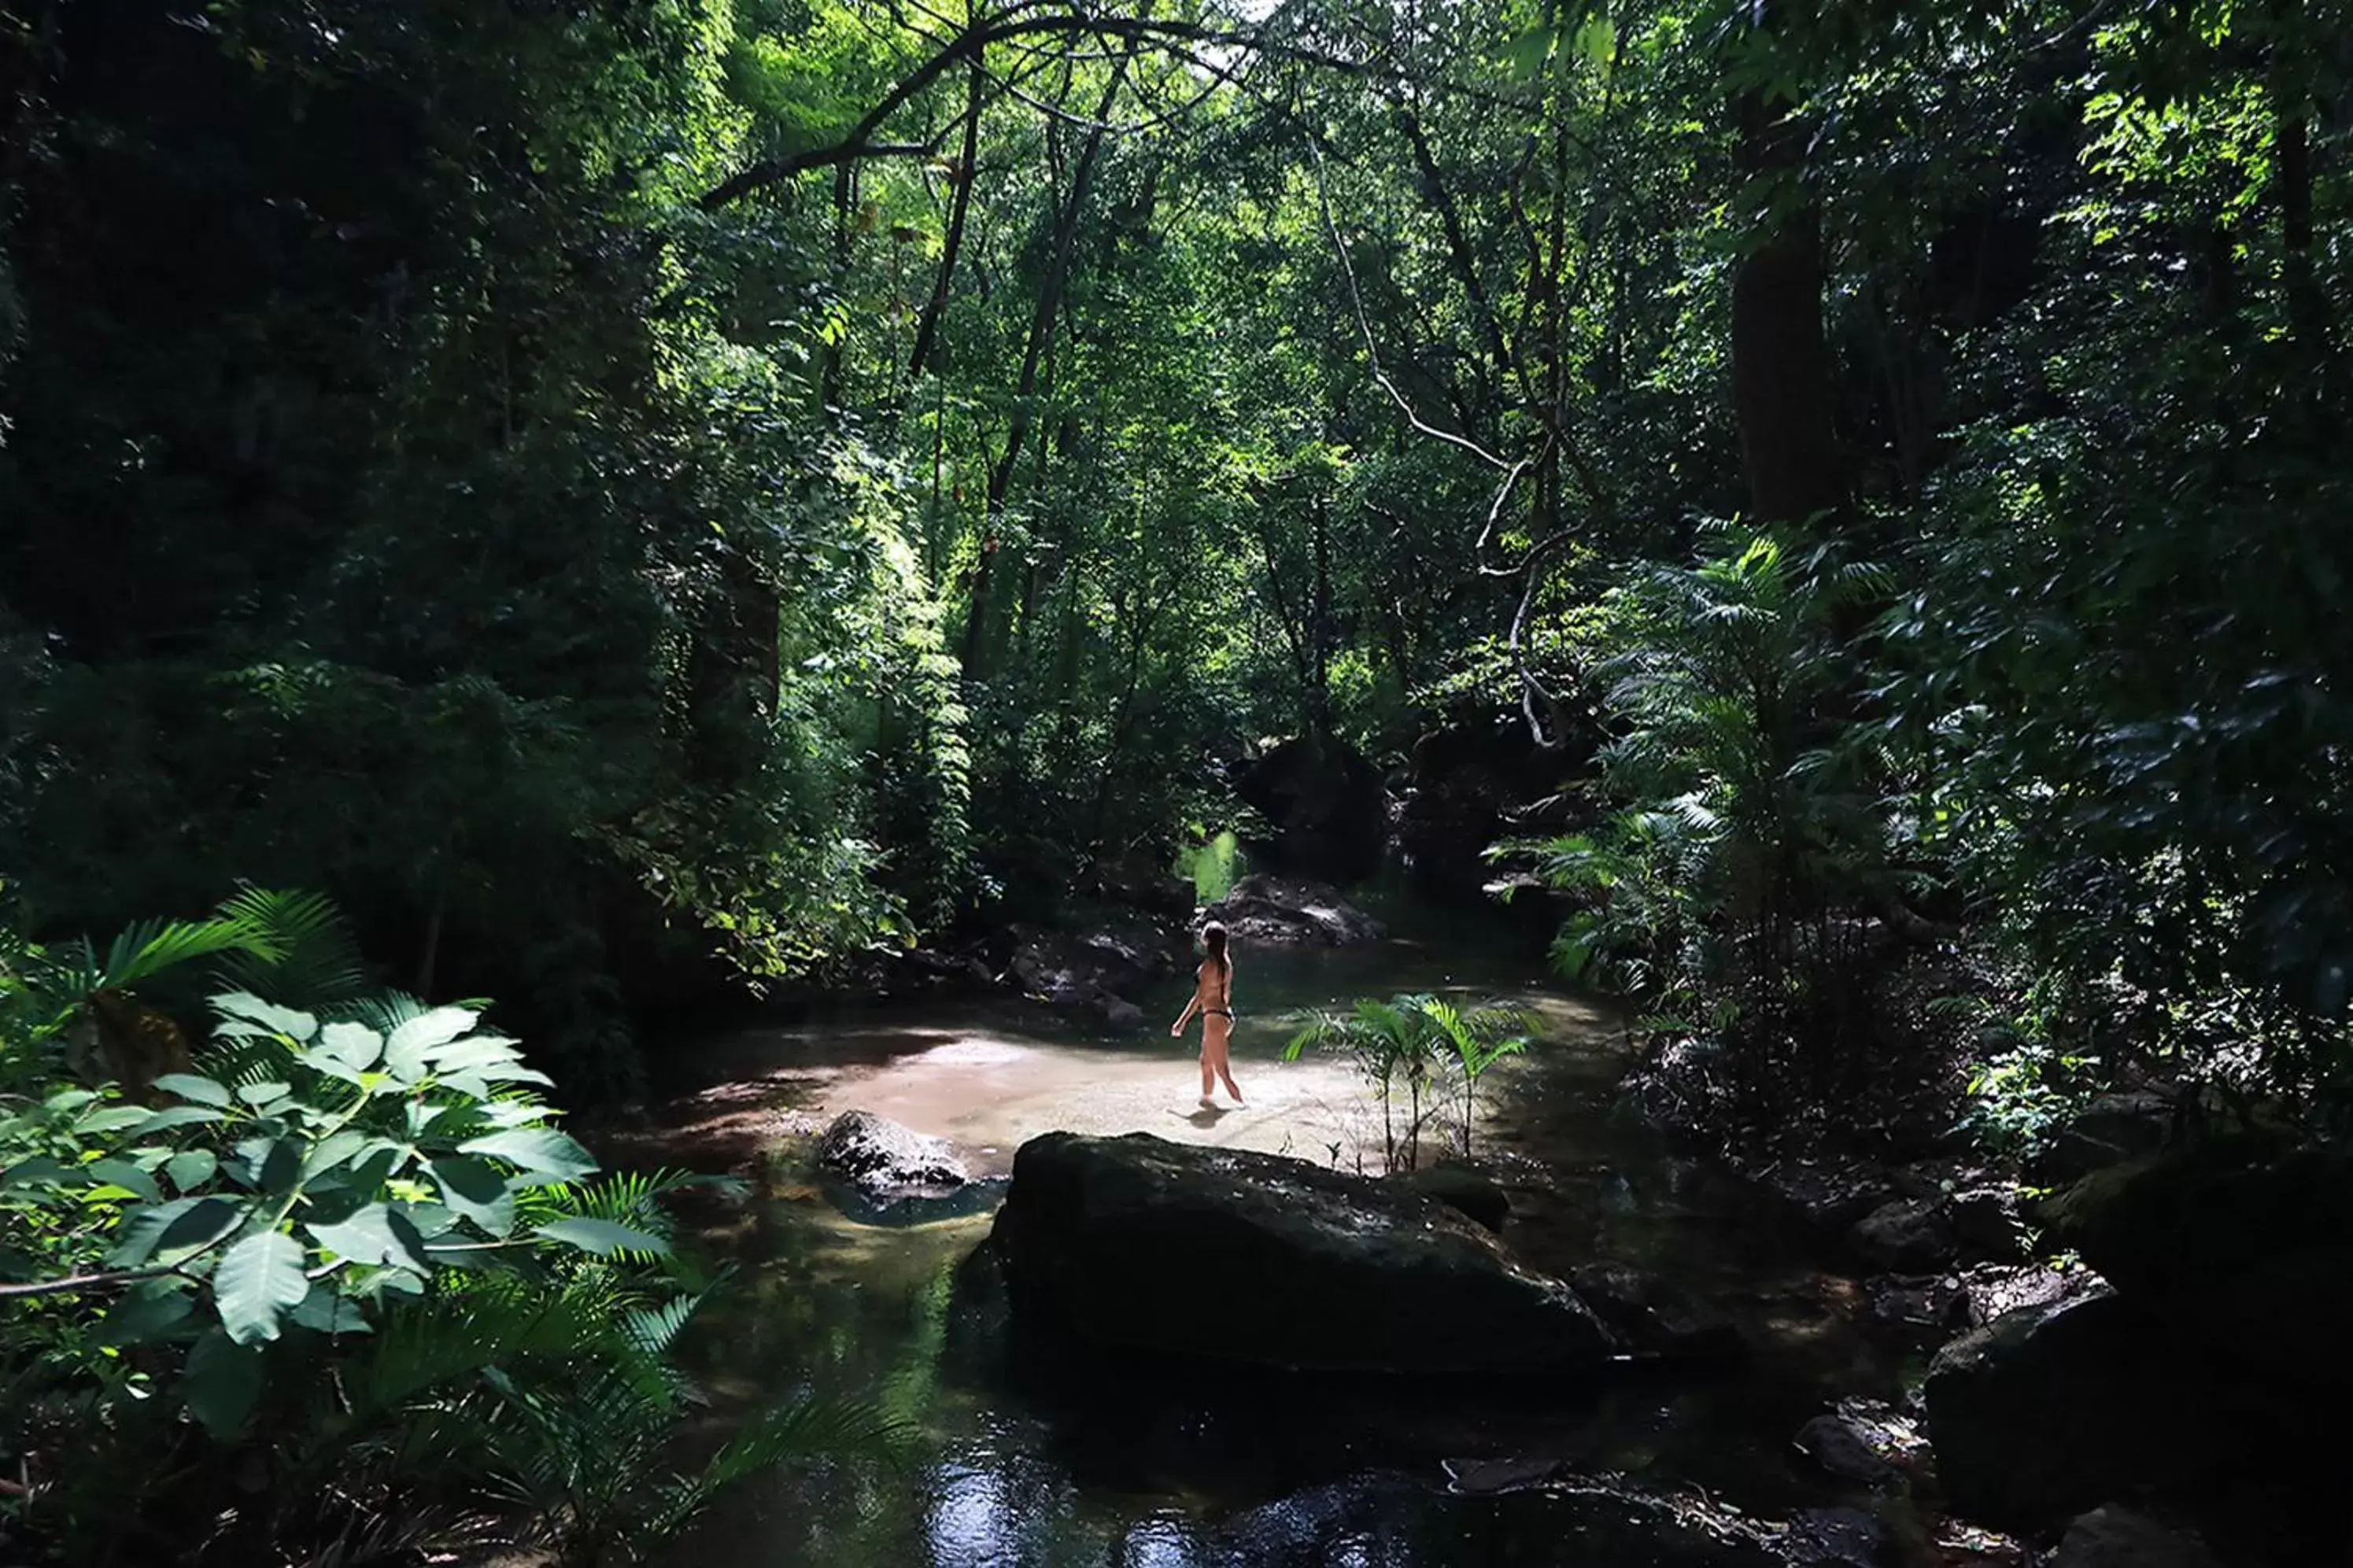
{"points": [[1031, 1453]]}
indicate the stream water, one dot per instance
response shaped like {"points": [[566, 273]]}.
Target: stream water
{"points": [[1041, 1461]]}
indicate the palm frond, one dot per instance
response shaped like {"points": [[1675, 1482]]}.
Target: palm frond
{"points": [[828, 1430], [313, 959]]}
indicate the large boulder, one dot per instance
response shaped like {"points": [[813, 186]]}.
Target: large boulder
{"points": [[2115, 1537], [2050, 1409], [1326, 804], [1097, 971], [885, 1162], [1277, 911], [1136, 1243]]}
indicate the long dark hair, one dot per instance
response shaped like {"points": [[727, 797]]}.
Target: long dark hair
{"points": [[1213, 937]]}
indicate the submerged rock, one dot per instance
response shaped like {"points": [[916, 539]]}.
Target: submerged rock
{"points": [[2114, 1537], [1654, 1316], [886, 1161], [1280, 912], [1140, 1244], [1462, 1188]]}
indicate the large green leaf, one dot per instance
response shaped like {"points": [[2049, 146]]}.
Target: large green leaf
{"points": [[191, 1168], [407, 1055], [168, 1233], [294, 1024], [379, 1233], [355, 1047], [540, 1150], [125, 1175], [176, 1116], [189, 1087], [257, 1281], [329, 1313], [221, 1383], [601, 1236], [476, 1189], [148, 1311]]}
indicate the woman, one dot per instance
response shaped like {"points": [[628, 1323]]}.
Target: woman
{"points": [[1213, 997]]}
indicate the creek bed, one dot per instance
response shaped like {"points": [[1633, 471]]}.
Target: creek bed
{"points": [[1026, 1457]]}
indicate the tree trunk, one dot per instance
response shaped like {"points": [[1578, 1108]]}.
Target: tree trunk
{"points": [[1780, 361]]}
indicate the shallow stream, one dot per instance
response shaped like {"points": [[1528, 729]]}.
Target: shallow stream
{"points": [[1043, 1462]]}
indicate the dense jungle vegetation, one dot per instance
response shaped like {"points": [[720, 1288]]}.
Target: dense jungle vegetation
{"points": [[633, 498]]}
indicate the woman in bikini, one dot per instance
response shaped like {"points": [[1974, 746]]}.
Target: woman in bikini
{"points": [[1213, 998]]}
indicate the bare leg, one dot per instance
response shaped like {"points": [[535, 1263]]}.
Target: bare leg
{"points": [[1208, 1076], [1213, 1056]]}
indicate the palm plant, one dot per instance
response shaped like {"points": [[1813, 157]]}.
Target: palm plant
{"points": [[1751, 822], [1410, 1042]]}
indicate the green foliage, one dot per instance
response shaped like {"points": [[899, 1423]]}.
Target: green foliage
{"points": [[1756, 835], [353, 1249], [1423, 1047]]}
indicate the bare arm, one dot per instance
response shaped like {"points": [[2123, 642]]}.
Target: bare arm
{"points": [[1191, 1006]]}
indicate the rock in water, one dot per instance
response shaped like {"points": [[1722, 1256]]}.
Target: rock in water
{"points": [[1649, 1315], [2114, 1537], [886, 1161], [1842, 1448], [1276, 911], [1140, 1244]]}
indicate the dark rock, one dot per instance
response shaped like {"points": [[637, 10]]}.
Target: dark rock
{"points": [[1831, 1195], [1654, 1316], [1138, 883], [1990, 1290], [2049, 1409], [1485, 1478], [1844, 1450], [1097, 971], [1909, 1234], [2248, 1252], [1939, 1178], [1136, 1243], [1985, 1223], [1460, 1187], [885, 1160], [1931, 1301], [1326, 804], [2114, 1537], [2114, 1128], [1280, 912], [1837, 1538], [2170, 1227]]}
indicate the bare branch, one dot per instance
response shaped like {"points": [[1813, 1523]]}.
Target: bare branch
{"points": [[1365, 326]]}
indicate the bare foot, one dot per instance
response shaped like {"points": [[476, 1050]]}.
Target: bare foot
{"points": [[1208, 1104]]}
